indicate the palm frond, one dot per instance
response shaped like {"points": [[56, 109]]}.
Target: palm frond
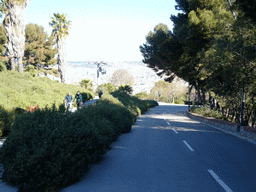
{"points": [[60, 25]]}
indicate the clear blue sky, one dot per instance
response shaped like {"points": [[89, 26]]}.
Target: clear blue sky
{"points": [[109, 30]]}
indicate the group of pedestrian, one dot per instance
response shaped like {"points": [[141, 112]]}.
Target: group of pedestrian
{"points": [[69, 99], [78, 97]]}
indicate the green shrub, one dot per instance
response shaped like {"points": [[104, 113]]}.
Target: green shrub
{"points": [[87, 95], [50, 71], [106, 88], [2, 67], [46, 149], [135, 105], [141, 95], [31, 70], [164, 99], [125, 89], [179, 100], [112, 109], [6, 121], [206, 111], [86, 84]]}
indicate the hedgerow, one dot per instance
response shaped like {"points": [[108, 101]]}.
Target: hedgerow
{"points": [[23, 90], [133, 103], [48, 149], [6, 121]]}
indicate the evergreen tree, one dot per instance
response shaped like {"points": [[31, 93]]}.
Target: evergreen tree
{"points": [[39, 48], [3, 40], [248, 7], [194, 32]]}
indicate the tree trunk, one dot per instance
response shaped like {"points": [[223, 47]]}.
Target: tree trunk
{"points": [[203, 97], [62, 58], [14, 24], [9, 47], [12, 63]]}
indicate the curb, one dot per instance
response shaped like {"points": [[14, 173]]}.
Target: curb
{"points": [[245, 135]]}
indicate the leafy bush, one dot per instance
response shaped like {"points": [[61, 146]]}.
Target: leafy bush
{"points": [[206, 111], [47, 149], [135, 105], [141, 95], [180, 100], [87, 84], [125, 89], [112, 109], [6, 121], [51, 71], [2, 67], [31, 69], [87, 95], [106, 88]]}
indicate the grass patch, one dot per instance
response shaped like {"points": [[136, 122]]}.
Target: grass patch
{"points": [[207, 112], [23, 90]]}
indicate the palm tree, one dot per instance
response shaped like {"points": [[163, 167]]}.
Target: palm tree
{"points": [[60, 31], [14, 23]]}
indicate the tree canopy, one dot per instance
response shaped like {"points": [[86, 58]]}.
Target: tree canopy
{"points": [[3, 40], [121, 76], [211, 46], [39, 47], [60, 25], [207, 46]]}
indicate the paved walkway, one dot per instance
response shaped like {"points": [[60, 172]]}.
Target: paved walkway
{"points": [[90, 102]]}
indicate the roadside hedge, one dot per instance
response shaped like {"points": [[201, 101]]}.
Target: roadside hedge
{"points": [[6, 121], [48, 149], [7, 116]]}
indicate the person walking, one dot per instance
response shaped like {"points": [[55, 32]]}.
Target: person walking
{"points": [[78, 98], [100, 93], [68, 100]]}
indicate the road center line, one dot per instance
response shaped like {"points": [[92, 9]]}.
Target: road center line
{"points": [[219, 181], [175, 131], [191, 149]]}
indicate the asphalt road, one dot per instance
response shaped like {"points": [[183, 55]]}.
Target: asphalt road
{"points": [[168, 152]]}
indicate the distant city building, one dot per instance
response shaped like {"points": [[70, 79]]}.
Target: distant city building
{"points": [[144, 77]]}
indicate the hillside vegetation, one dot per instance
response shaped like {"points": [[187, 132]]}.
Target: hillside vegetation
{"points": [[47, 150], [23, 90], [20, 91]]}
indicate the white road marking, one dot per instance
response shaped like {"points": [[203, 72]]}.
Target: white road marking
{"points": [[191, 149], [226, 188], [164, 117], [168, 123], [175, 131]]}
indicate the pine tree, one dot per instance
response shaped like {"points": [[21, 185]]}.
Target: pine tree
{"points": [[3, 40], [39, 49]]}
